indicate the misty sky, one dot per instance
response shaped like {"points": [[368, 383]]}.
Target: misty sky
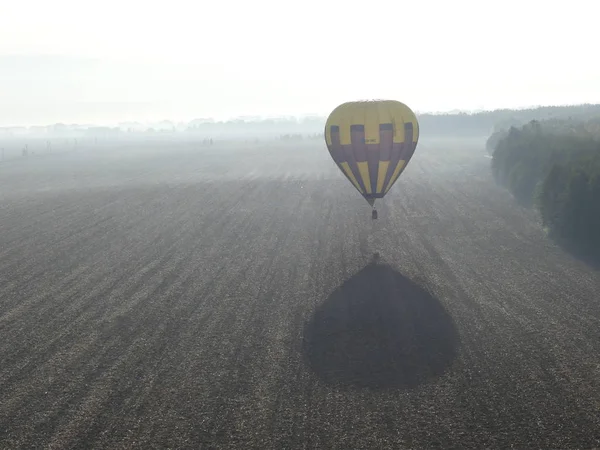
{"points": [[110, 61]]}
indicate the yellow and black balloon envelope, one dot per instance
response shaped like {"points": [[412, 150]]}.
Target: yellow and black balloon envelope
{"points": [[372, 141]]}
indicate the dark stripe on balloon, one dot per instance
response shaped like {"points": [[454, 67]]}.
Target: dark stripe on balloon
{"points": [[402, 151], [386, 144], [396, 154], [373, 157], [359, 148], [386, 141], [335, 150], [412, 151], [348, 152], [357, 138], [408, 142], [373, 162], [407, 149]]}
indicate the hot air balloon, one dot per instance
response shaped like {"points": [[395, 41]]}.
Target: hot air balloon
{"points": [[372, 141]]}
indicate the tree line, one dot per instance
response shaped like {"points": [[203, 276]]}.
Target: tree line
{"points": [[431, 124], [554, 166]]}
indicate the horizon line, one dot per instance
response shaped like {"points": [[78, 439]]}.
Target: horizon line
{"points": [[264, 117]]}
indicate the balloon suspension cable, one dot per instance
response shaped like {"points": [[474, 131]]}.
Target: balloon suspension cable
{"points": [[375, 235]]}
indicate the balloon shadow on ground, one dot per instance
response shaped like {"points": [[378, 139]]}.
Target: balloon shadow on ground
{"points": [[380, 330]]}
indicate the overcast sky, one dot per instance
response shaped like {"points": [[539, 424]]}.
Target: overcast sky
{"points": [[110, 61]]}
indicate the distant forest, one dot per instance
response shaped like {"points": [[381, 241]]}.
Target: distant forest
{"points": [[489, 122], [447, 124], [480, 124], [554, 166]]}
